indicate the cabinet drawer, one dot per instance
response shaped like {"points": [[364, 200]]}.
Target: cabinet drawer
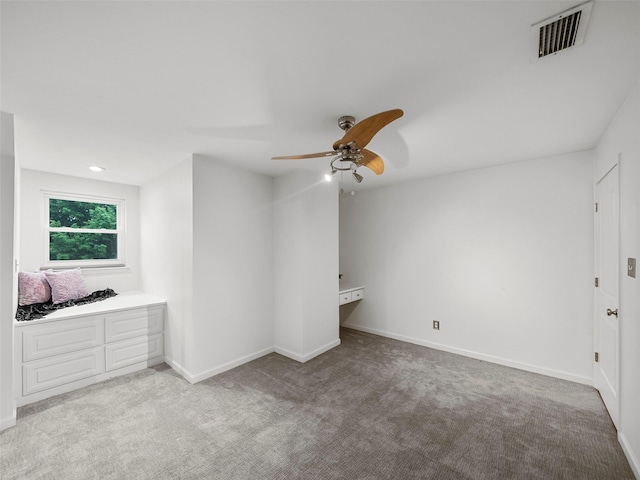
{"points": [[345, 298], [133, 323], [40, 341], [128, 352], [357, 294], [52, 372]]}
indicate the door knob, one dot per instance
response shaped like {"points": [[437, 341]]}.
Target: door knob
{"points": [[612, 312]]}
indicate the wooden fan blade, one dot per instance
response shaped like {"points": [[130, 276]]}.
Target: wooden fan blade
{"points": [[308, 155], [362, 132], [372, 161]]}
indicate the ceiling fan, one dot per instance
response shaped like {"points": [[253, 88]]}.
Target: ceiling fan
{"points": [[349, 151]]}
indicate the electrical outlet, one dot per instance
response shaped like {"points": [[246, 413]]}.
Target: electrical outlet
{"points": [[436, 325]]}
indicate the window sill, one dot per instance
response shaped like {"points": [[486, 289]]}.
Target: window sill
{"points": [[94, 271], [115, 270]]}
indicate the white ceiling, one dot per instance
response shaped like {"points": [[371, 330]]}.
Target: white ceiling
{"points": [[138, 87]]}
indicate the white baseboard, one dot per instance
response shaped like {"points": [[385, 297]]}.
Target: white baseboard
{"points": [[289, 354], [195, 378], [305, 358], [631, 457], [180, 370], [8, 422], [478, 356]]}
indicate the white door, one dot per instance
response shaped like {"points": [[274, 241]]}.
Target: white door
{"points": [[606, 302]]}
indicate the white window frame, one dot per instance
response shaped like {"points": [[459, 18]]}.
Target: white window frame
{"points": [[119, 231]]}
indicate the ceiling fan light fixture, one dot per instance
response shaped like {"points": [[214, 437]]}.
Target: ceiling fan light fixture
{"points": [[349, 153], [335, 167], [329, 176]]}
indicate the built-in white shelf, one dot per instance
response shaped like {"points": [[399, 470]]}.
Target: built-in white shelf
{"points": [[350, 293]]}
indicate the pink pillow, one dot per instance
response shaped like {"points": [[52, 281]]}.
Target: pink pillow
{"points": [[66, 285], [33, 288]]}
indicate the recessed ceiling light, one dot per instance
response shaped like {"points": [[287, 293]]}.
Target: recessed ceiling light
{"points": [[95, 168]]}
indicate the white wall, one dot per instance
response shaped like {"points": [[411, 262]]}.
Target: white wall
{"points": [[8, 292], [166, 219], [216, 248], [207, 237], [622, 139], [502, 257], [306, 265], [32, 211], [232, 266]]}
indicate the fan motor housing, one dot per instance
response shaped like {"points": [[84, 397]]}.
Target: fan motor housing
{"points": [[346, 122]]}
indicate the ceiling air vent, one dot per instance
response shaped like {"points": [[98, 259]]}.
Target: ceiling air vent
{"points": [[561, 31]]}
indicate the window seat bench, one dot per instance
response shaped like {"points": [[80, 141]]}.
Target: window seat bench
{"points": [[81, 345]]}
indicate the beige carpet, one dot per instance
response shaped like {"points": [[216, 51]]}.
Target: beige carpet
{"points": [[372, 408]]}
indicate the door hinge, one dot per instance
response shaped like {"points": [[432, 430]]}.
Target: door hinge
{"points": [[596, 207], [597, 282], [597, 357]]}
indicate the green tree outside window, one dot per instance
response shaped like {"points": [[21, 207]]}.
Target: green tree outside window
{"points": [[96, 235]]}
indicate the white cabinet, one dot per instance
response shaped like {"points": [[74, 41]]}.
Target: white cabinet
{"points": [[350, 294], [60, 370], [129, 352], [357, 294], [345, 297], [49, 339], [78, 346], [133, 323]]}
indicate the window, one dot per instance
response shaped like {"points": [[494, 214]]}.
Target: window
{"points": [[83, 231]]}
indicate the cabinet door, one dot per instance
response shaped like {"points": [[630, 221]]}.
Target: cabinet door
{"points": [[40, 341], [61, 369], [134, 350], [133, 323]]}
